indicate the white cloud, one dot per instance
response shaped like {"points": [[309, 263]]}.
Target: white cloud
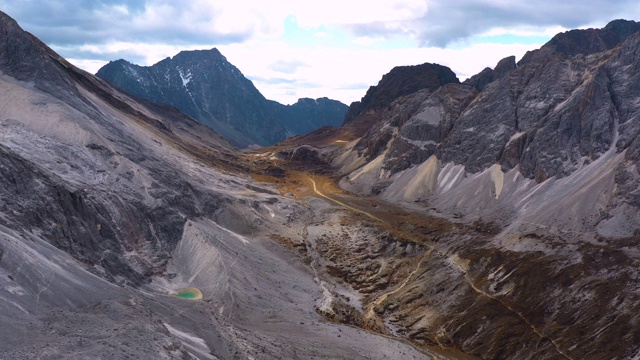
{"points": [[340, 12], [91, 66], [548, 31], [333, 72], [250, 33], [365, 40], [449, 21]]}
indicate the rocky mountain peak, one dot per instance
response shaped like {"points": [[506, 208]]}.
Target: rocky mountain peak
{"points": [[488, 75], [206, 86], [400, 81], [200, 55], [623, 28], [26, 58], [9, 25], [209, 60], [504, 66]]}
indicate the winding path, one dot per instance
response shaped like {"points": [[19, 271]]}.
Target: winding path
{"points": [[370, 311], [321, 194]]}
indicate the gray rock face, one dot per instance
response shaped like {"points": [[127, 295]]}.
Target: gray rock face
{"points": [[423, 121], [400, 81], [487, 75], [548, 116], [585, 42], [205, 86]]}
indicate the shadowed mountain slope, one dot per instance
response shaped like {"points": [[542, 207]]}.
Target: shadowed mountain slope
{"points": [[205, 86]]}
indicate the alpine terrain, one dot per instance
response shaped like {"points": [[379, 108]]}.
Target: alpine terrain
{"points": [[495, 218], [517, 225], [205, 86]]}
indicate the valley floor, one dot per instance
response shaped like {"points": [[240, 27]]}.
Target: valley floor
{"points": [[460, 289]]}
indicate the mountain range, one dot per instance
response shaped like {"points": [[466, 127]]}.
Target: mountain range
{"points": [[542, 154], [495, 218], [205, 86]]}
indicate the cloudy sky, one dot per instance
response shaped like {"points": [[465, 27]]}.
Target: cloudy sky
{"points": [[293, 48]]}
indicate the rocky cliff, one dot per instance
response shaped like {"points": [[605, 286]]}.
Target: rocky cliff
{"points": [[400, 81], [205, 86], [561, 107]]}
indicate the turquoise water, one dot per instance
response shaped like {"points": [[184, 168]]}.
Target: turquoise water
{"points": [[187, 294]]}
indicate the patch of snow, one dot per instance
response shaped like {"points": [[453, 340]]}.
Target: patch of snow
{"points": [[186, 78], [134, 73], [419, 143]]}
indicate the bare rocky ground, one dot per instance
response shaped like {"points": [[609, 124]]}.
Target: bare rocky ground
{"points": [[480, 288]]}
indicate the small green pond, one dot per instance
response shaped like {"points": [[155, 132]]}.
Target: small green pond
{"points": [[190, 293], [187, 295]]}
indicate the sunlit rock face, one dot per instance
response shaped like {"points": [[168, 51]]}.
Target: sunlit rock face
{"points": [[205, 86]]}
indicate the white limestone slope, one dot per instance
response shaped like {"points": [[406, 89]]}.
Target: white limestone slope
{"points": [[573, 204]]}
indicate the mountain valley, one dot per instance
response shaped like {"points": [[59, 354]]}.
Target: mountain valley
{"points": [[495, 218]]}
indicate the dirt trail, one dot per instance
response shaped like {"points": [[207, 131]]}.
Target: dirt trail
{"points": [[321, 194], [411, 226], [391, 224]]}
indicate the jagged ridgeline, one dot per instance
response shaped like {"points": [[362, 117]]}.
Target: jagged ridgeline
{"points": [[205, 86], [546, 150]]}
